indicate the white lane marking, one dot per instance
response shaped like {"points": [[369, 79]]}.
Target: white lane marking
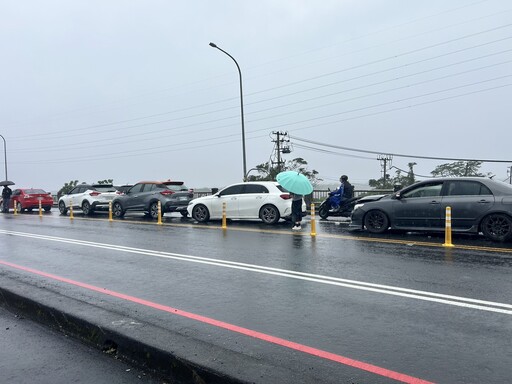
{"points": [[459, 301]]}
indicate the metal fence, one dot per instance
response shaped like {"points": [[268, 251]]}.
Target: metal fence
{"points": [[318, 194]]}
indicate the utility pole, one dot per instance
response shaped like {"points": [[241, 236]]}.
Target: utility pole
{"points": [[281, 146], [509, 171], [385, 162]]}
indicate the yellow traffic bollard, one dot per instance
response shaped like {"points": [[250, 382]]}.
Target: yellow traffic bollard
{"points": [[71, 217], [224, 225], [448, 228], [313, 221], [110, 211], [40, 209], [15, 204], [159, 213]]}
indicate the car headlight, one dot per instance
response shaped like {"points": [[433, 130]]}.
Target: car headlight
{"points": [[357, 206]]}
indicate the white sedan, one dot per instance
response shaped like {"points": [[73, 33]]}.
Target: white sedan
{"points": [[265, 200]]}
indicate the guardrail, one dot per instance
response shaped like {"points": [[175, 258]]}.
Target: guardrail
{"points": [[318, 194]]}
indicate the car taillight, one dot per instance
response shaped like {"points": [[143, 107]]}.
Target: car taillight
{"points": [[167, 192], [285, 196], [94, 193]]}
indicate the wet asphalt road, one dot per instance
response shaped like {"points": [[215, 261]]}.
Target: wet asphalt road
{"points": [[375, 300]]}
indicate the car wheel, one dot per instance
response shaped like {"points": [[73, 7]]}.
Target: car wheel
{"points": [[153, 210], [184, 213], [117, 210], [19, 207], [323, 212], [200, 213], [62, 208], [86, 208], [376, 221], [47, 208], [497, 227], [269, 214]]}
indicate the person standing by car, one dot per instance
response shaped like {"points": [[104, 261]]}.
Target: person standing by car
{"points": [[6, 197], [296, 211]]}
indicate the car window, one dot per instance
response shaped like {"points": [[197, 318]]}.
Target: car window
{"points": [[424, 190], [177, 188], [74, 190], [34, 191], [281, 188], [466, 188], [16, 192], [151, 187], [233, 190], [136, 188], [255, 188]]}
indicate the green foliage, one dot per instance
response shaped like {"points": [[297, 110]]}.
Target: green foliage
{"points": [[67, 188], [399, 179], [106, 181], [269, 173], [458, 169]]}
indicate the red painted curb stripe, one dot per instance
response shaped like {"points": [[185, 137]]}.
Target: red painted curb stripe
{"points": [[234, 328]]}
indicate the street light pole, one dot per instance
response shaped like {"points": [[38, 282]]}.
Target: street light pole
{"points": [[5, 157], [213, 45]]}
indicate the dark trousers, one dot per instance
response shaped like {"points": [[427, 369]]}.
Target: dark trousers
{"points": [[297, 211]]}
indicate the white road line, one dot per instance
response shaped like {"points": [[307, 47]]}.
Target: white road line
{"points": [[353, 284]]}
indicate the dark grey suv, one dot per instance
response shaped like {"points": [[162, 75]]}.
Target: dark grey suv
{"points": [[144, 196]]}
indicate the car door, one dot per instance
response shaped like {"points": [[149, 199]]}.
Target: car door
{"points": [[73, 196], [419, 207], [134, 197], [253, 197], [230, 196], [469, 201]]}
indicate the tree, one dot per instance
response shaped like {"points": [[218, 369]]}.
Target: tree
{"points": [[106, 181], [267, 172], [458, 169], [399, 179], [67, 188]]}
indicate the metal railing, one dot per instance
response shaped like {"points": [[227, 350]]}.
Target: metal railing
{"points": [[318, 194]]}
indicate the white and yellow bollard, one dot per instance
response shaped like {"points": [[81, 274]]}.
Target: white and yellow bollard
{"points": [[110, 211], [40, 209], [448, 228], [224, 225], [159, 213], [313, 221], [15, 204], [71, 217]]}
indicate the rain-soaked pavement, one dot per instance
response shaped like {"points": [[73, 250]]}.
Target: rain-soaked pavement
{"points": [[266, 305]]}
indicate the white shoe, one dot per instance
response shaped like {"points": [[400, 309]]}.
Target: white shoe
{"points": [[296, 228]]}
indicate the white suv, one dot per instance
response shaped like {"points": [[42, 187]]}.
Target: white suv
{"points": [[88, 198]]}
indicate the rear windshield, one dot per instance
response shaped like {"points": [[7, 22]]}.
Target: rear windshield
{"points": [[104, 188], [281, 188], [34, 191], [177, 188]]}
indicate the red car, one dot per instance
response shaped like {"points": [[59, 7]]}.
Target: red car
{"points": [[29, 199]]}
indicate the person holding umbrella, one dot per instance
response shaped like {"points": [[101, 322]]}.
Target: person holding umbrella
{"points": [[298, 185], [6, 197], [296, 211]]}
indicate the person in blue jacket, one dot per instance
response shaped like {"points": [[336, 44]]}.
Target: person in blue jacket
{"points": [[344, 192]]}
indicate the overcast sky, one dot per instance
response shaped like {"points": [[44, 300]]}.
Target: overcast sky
{"points": [[131, 90]]}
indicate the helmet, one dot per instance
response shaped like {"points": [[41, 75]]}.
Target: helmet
{"points": [[344, 178]]}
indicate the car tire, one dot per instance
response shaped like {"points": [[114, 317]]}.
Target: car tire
{"points": [[200, 213], [184, 213], [269, 214], [117, 210], [497, 227], [376, 221], [86, 208], [62, 208], [19, 207], [323, 212], [153, 210]]}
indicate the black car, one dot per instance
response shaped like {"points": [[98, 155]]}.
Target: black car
{"points": [[477, 205], [144, 196]]}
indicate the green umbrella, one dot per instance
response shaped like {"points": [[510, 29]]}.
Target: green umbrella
{"points": [[295, 182]]}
